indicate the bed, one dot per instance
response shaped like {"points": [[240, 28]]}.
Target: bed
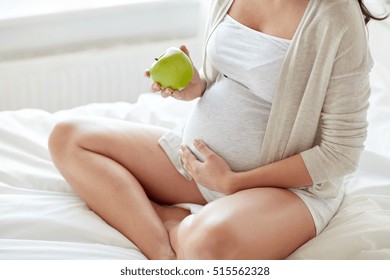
{"points": [[41, 218]]}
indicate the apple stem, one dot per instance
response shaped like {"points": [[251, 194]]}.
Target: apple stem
{"points": [[156, 59]]}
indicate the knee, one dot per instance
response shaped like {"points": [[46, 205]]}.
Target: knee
{"points": [[62, 138], [206, 238]]}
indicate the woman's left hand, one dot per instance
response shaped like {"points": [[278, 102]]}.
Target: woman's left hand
{"points": [[213, 173]]}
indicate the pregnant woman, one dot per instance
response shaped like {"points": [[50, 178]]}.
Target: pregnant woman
{"points": [[281, 119]]}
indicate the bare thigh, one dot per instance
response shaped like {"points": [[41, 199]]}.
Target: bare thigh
{"points": [[134, 146], [260, 223]]}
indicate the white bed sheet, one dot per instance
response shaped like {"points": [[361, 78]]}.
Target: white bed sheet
{"points": [[40, 215]]}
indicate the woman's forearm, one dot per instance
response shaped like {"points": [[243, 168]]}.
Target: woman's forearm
{"points": [[287, 173]]}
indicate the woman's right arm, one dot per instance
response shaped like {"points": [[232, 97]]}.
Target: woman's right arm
{"points": [[193, 90]]}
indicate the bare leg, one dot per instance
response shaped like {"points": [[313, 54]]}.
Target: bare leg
{"points": [[263, 223], [117, 167], [171, 218]]}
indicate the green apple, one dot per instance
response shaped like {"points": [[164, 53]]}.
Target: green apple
{"points": [[172, 69]]}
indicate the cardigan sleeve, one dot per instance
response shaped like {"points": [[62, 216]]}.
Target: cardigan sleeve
{"points": [[343, 121], [343, 129]]}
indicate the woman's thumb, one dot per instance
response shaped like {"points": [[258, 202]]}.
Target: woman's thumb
{"points": [[185, 50]]}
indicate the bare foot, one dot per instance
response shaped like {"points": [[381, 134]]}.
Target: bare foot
{"points": [[171, 216]]}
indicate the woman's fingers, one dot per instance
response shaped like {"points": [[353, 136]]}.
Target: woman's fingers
{"points": [[188, 159], [185, 50], [155, 87], [167, 92]]}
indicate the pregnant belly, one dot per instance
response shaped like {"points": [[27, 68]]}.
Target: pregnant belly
{"points": [[232, 122]]}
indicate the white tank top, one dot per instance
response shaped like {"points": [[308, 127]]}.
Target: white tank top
{"points": [[232, 115]]}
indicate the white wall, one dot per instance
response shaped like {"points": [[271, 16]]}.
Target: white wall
{"points": [[74, 57], [68, 27]]}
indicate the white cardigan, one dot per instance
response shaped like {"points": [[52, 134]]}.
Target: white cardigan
{"points": [[321, 101]]}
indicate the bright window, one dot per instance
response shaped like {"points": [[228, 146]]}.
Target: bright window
{"points": [[22, 8]]}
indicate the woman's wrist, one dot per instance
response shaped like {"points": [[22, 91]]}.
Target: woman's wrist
{"points": [[287, 173], [233, 182]]}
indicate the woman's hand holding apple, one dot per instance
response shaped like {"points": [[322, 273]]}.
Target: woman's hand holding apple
{"points": [[193, 90]]}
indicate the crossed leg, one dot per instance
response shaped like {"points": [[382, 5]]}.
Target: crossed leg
{"points": [[123, 175], [120, 171], [259, 223]]}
